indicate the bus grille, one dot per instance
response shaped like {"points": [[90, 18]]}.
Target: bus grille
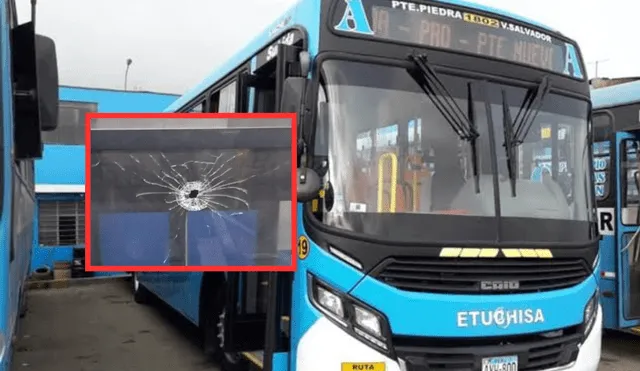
{"points": [[535, 352], [486, 276]]}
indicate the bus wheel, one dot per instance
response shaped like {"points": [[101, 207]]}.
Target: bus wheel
{"points": [[140, 293], [213, 336]]}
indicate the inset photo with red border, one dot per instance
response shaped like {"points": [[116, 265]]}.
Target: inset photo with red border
{"points": [[190, 192]]}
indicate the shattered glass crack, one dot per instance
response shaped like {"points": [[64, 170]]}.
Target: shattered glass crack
{"points": [[215, 200], [212, 188]]}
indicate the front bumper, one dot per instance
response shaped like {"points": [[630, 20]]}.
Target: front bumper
{"points": [[327, 347]]}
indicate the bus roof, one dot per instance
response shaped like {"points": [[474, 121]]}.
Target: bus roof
{"points": [[89, 88], [302, 12], [616, 95]]}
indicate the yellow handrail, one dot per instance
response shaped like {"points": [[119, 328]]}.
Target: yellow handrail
{"points": [[393, 158], [415, 191]]}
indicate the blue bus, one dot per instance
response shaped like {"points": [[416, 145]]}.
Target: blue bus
{"points": [[446, 215], [59, 176], [29, 107], [616, 128]]}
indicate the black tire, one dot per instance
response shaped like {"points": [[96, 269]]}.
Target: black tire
{"points": [[42, 274], [213, 335], [140, 293]]}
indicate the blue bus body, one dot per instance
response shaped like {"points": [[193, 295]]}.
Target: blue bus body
{"points": [[13, 273], [359, 300], [616, 131], [60, 175], [28, 96]]}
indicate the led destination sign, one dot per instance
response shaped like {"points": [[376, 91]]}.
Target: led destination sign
{"points": [[457, 30]]}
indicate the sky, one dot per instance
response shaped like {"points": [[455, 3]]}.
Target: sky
{"points": [[174, 44]]}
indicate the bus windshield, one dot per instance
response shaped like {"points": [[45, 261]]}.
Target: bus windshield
{"points": [[398, 170]]}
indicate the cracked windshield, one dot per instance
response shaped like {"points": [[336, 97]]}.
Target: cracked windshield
{"points": [[176, 197], [433, 154]]}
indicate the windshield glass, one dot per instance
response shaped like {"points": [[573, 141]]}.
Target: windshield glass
{"points": [[398, 171]]}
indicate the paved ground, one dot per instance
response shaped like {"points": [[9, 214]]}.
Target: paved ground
{"points": [[621, 352], [103, 330]]}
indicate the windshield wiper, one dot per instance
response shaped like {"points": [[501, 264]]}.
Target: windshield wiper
{"points": [[515, 131], [509, 139], [529, 110], [465, 127]]}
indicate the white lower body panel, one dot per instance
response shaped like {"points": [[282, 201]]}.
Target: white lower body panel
{"points": [[589, 355], [325, 347]]}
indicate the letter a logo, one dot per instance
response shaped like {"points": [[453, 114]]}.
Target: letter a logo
{"points": [[354, 19], [571, 58]]}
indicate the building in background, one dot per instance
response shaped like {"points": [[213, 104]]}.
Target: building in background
{"points": [[60, 175], [603, 82]]}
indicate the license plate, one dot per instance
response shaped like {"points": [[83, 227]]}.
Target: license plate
{"points": [[504, 363]]}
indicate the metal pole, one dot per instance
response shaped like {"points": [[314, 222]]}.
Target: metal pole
{"points": [[597, 64], [33, 14], [126, 73]]}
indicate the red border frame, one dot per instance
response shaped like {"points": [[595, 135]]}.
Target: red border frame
{"points": [[228, 268]]}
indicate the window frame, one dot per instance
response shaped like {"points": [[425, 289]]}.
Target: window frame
{"points": [[607, 137], [49, 234]]}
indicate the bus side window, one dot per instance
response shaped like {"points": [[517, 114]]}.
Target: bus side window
{"points": [[265, 100], [629, 189], [23, 208], [71, 123], [602, 137], [198, 108], [602, 127], [264, 92], [228, 98], [224, 100]]}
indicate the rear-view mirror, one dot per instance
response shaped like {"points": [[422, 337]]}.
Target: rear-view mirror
{"points": [[35, 76], [47, 70]]}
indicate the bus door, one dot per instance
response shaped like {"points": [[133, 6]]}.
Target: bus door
{"points": [[245, 311], [277, 331], [627, 221], [259, 301]]}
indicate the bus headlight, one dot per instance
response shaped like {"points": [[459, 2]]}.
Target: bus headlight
{"points": [[330, 301], [353, 316], [590, 313], [367, 321]]}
